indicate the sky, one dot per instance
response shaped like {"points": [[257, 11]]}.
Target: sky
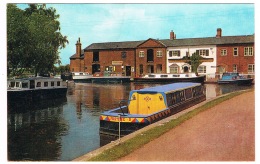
{"points": [[114, 22]]}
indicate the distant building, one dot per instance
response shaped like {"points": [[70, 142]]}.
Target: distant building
{"points": [[135, 58]]}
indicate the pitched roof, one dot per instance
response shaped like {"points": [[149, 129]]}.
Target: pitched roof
{"points": [[113, 45], [209, 41], [81, 55], [170, 43]]}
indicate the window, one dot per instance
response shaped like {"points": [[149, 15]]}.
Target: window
{"points": [[235, 51], [159, 53], [203, 52], [174, 53], [46, 84], [38, 84], [17, 84], [248, 51], [123, 54], [158, 68], [141, 54], [150, 55], [234, 68], [202, 69], [251, 68], [25, 85], [58, 83], [141, 69], [52, 83], [174, 69], [223, 52], [95, 56]]}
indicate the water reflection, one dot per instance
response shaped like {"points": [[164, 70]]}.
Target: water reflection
{"points": [[64, 130]]}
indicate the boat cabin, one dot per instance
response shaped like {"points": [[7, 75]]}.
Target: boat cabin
{"points": [[148, 105], [34, 83]]}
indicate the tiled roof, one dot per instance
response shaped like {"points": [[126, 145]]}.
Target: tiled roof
{"points": [[209, 41], [113, 45], [81, 55], [175, 42]]}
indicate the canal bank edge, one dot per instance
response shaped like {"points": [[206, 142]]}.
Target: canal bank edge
{"points": [[205, 105]]}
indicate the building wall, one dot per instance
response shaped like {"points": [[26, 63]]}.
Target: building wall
{"points": [[158, 65], [210, 64], [77, 65], [226, 62], [111, 58]]}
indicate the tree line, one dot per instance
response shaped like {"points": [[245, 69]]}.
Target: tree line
{"points": [[33, 39]]}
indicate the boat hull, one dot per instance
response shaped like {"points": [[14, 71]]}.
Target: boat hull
{"points": [[109, 125], [199, 79], [35, 95], [108, 79], [237, 81]]}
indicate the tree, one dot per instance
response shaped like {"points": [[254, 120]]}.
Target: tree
{"points": [[39, 50], [194, 60], [17, 41]]}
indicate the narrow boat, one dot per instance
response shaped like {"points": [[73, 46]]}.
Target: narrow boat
{"points": [[148, 105], [81, 77], [172, 78], [235, 78], [34, 89]]}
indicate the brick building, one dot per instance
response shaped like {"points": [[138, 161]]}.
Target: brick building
{"points": [[134, 58], [235, 54]]}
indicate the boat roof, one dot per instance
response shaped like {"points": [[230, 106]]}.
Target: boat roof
{"points": [[35, 78], [168, 87]]}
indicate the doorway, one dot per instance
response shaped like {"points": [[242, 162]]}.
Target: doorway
{"points": [[128, 70]]}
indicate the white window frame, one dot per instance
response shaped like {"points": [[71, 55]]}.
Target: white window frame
{"points": [[248, 51], [159, 54], [174, 69], [141, 54], [251, 68], [234, 68], [223, 52], [202, 69], [174, 53], [235, 50]]}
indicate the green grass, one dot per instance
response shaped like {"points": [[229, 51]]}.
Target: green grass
{"points": [[123, 149]]}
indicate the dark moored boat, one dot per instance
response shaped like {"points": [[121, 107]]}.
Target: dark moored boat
{"points": [[235, 78], [34, 89], [171, 78], [148, 105]]}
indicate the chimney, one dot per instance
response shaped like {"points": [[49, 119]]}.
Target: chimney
{"points": [[78, 48], [172, 36], [219, 33]]}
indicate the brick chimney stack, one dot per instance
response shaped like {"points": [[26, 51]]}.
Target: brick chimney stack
{"points": [[78, 48], [219, 33], [172, 35]]}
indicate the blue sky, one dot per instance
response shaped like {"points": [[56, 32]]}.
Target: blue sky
{"points": [[112, 22]]}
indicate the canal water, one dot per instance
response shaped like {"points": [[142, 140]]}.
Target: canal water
{"points": [[62, 130]]}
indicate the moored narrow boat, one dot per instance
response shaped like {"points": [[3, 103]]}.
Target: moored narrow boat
{"points": [[172, 78], [33, 90], [235, 78], [148, 105]]}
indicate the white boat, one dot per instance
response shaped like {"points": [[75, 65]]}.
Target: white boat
{"points": [[34, 89], [81, 76], [166, 77]]}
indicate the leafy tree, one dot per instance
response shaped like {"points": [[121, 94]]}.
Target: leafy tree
{"points": [[39, 50], [194, 60], [17, 41]]}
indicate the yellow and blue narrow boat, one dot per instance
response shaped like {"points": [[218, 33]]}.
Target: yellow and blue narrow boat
{"points": [[148, 105]]}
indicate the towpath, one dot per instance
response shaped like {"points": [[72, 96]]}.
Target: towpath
{"points": [[225, 132]]}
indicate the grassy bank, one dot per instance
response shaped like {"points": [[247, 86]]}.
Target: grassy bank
{"points": [[138, 141]]}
